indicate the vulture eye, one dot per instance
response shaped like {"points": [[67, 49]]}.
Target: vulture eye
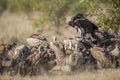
{"points": [[71, 23]]}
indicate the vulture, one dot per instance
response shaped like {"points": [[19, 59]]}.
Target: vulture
{"points": [[103, 58], [114, 50], [82, 23], [21, 52], [36, 40]]}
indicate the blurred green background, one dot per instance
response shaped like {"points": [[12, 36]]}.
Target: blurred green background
{"points": [[107, 12]]}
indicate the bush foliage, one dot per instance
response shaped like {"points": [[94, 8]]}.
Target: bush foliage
{"points": [[107, 12]]}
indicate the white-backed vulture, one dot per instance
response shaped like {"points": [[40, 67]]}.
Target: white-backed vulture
{"points": [[102, 57], [21, 51], [114, 50], [36, 40]]}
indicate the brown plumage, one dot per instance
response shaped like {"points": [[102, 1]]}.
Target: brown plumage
{"points": [[57, 47], [36, 40], [101, 56], [115, 51], [4, 48]]}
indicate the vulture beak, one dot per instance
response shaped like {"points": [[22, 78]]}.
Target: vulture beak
{"points": [[76, 27]]}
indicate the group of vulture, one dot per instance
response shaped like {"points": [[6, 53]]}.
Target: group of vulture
{"points": [[79, 53]]}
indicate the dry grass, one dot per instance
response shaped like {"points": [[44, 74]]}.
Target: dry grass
{"points": [[18, 27], [14, 26], [109, 74]]}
